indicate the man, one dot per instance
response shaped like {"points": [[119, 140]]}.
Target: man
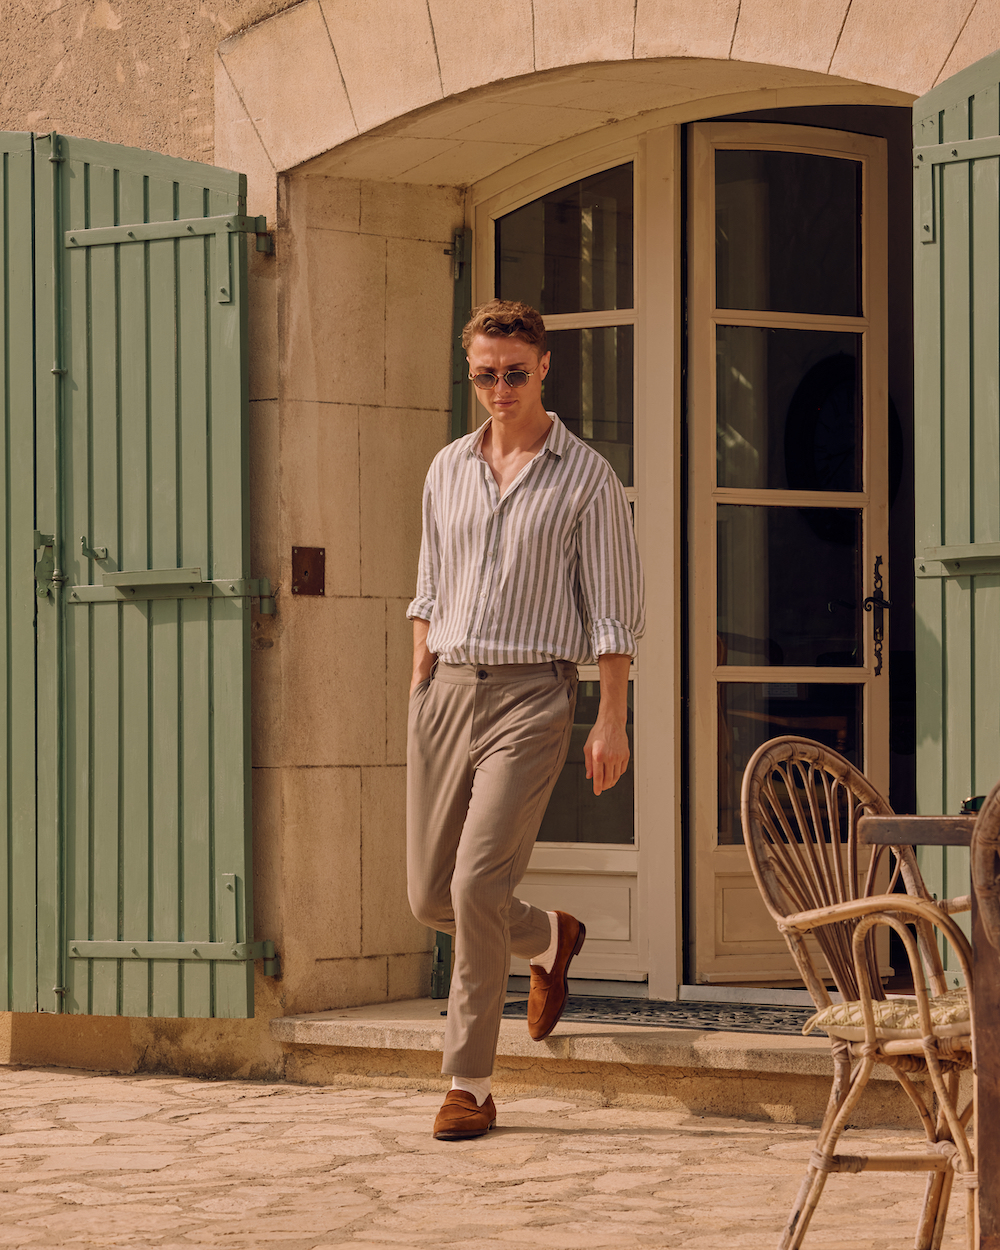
{"points": [[528, 566]]}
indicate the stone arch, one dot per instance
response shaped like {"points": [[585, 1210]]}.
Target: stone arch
{"points": [[446, 92]]}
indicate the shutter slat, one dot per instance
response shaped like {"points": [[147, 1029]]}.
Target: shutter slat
{"points": [[132, 552], [17, 517], [50, 423], [96, 514], [164, 626], [76, 427]]}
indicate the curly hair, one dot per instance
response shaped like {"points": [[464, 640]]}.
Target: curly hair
{"points": [[508, 319]]}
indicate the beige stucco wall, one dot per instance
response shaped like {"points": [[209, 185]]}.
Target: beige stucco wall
{"points": [[359, 125], [125, 71]]}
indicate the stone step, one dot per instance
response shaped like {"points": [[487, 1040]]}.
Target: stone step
{"points": [[782, 1078]]}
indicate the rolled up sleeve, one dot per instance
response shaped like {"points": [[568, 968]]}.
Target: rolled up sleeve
{"points": [[421, 607], [611, 580]]}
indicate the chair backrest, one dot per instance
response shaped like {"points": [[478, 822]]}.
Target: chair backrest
{"points": [[986, 865], [800, 807]]}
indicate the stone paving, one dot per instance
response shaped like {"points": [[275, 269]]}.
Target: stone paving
{"points": [[100, 1160]]}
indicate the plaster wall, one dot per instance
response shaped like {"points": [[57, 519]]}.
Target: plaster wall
{"points": [[123, 71]]}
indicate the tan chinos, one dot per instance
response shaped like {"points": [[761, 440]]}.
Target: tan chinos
{"points": [[485, 746]]}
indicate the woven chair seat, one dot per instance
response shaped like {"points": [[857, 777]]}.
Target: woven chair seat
{"points": [[896, 1019]]}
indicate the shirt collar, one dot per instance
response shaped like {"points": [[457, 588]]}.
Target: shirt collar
{"points": [[555, 443]]}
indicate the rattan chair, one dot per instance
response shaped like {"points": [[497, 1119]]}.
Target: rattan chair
{"points": [[800, 808]]}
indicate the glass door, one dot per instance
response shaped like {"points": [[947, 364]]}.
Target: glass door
{"points": [[569, 252], [788, 490]]}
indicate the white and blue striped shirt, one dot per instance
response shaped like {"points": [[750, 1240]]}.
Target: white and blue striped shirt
{"points": [[548, 572]]}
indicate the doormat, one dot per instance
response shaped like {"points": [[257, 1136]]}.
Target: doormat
{"points": [[708, 1017]]}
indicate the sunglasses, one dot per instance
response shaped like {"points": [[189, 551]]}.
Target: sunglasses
{"points": [[513, 378]]}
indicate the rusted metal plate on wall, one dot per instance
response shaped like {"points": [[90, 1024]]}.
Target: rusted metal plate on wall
{"points": [[308, 570]]}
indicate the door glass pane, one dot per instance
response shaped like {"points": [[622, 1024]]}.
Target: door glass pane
{"points": [[589, 384], [575, 813], [750, 713], [571, 250], [788, 409], [788, 232], [789, 586]]}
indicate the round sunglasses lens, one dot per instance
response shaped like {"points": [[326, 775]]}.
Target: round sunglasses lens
{"points": [[516, 377], [485, 381]]}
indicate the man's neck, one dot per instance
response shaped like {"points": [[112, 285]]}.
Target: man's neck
{"points": [[506, 439]]}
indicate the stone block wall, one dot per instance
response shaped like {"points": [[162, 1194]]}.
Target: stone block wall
{"points": [[364, 340]]}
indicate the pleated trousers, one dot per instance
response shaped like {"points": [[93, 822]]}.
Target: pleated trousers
{"points": [[485, 745]]}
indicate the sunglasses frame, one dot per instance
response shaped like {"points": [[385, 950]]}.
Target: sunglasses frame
{"points": [[487, 373]]}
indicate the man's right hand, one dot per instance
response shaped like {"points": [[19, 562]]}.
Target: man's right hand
{"points": [[423, 660]]}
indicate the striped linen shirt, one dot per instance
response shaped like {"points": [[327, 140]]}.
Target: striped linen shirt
{"points": [[548, 572]]}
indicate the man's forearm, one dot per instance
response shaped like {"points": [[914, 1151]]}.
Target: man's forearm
{"points": [[614, 688], [606, 752], [423, 659]]}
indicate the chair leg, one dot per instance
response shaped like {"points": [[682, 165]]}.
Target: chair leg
{"points": [[805, 1204], [939, 1187], [847, 1087], [930, 1230]]}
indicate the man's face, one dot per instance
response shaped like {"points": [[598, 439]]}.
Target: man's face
{"points": [[489, 353]]}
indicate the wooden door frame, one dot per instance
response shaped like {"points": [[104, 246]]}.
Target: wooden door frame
{"points": [[711, 863], [656, 315]]}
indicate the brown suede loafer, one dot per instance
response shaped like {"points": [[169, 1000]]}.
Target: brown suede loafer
{"points": [[547, 996], [460, 1117]]}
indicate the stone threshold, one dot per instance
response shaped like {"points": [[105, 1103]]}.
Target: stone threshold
{"points": [[418, 1025], [763, 1076]]}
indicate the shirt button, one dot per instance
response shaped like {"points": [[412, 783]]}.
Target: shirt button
{"points": [[482, 674]]}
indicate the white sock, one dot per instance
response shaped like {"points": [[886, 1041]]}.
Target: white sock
{"points": [[478, 1087], [548, 956]]}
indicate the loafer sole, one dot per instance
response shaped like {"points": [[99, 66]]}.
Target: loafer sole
{"points": [[459, 1135]]}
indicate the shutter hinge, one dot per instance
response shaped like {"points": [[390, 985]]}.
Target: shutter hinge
{"points": [[190, 952], [223, 228], [457, 253], [265, 237], [140, 585], [55, 156], [262, 591]]}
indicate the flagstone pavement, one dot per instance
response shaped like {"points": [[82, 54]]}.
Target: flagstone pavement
{"points": [[142, 1161]]}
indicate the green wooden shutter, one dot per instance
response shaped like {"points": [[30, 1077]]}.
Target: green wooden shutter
{"points": [[957, 449], [140, 829], [17, 624]]}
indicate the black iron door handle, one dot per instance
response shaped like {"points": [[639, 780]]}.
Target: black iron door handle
{"points": [[878, 606]]}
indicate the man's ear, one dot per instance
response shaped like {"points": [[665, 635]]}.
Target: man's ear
{"points": [[543, 364]]}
